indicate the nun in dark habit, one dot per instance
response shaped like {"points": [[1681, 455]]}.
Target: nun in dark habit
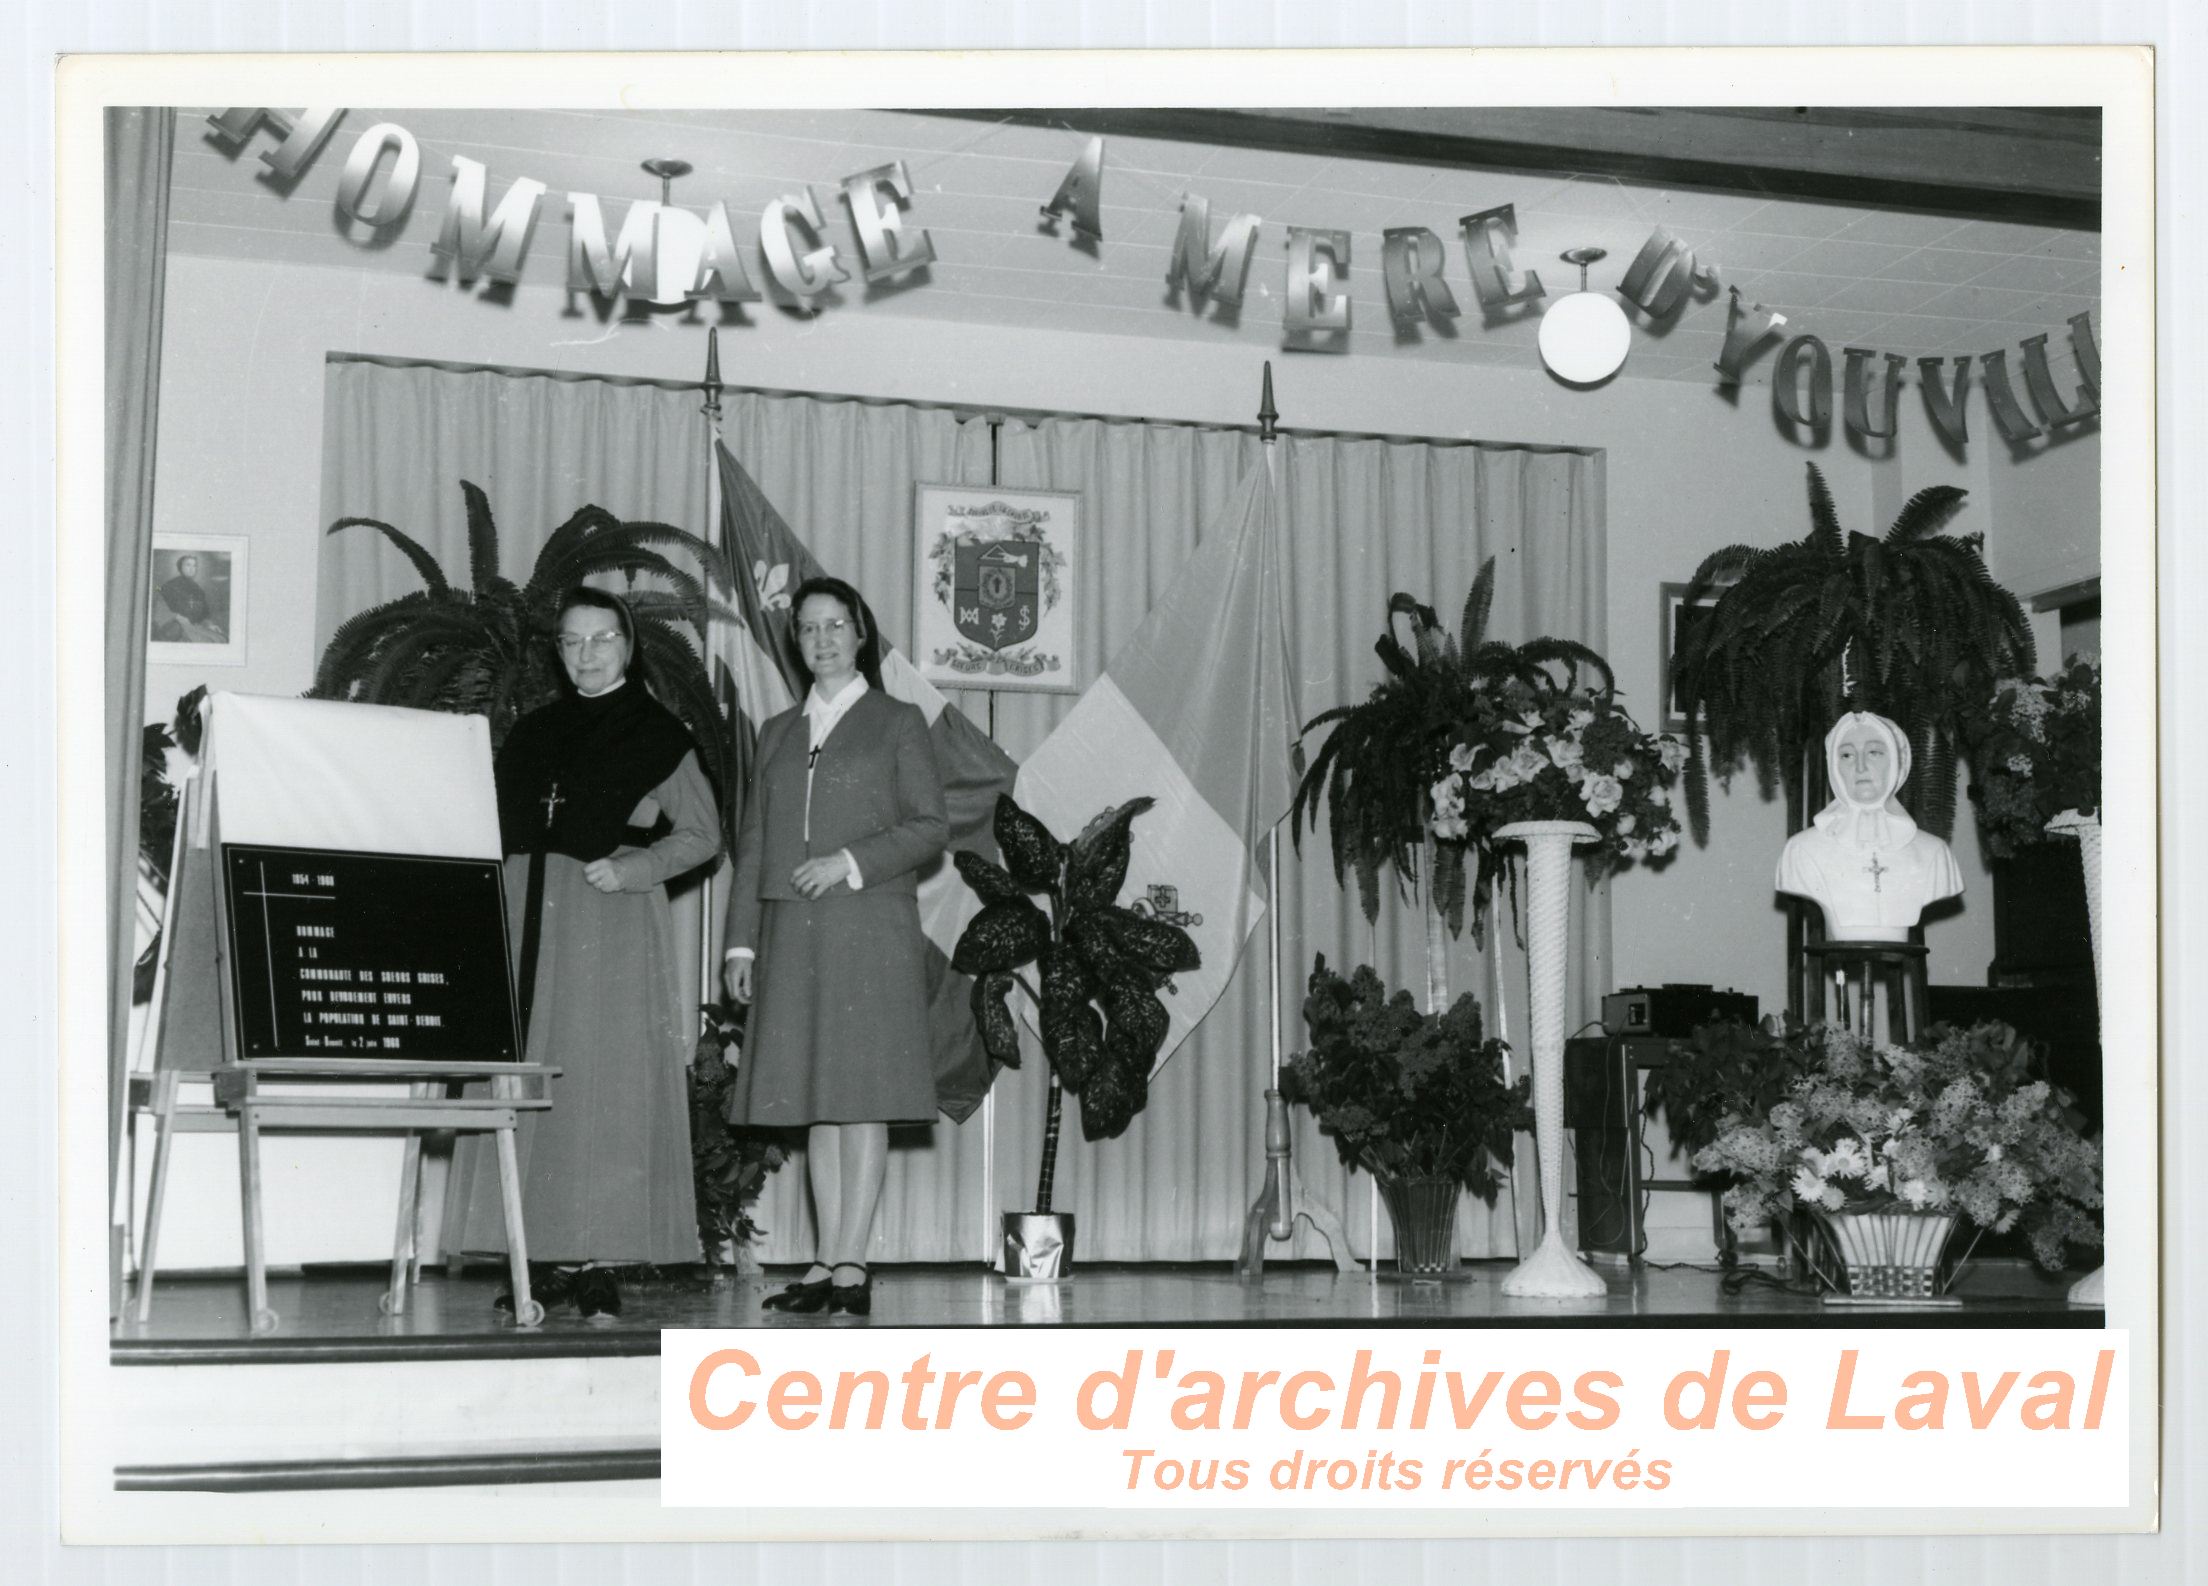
{"points": [[601, 799]]}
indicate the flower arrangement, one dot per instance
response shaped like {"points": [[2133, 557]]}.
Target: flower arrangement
{"points": [[1537, 751], [1405, 1094], [2037, 753], [1952, 1123]]}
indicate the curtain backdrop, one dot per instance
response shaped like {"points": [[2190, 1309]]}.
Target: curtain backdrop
{"points": [[1365, 518], [140, 143]]}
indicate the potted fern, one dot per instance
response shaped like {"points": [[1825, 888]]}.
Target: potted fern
{"points": [[1376, 770], [1098, 969], [1909, 625], [487, 648]]}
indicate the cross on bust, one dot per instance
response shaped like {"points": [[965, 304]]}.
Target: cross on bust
{"points": [[552, 802], [1875, 870]]}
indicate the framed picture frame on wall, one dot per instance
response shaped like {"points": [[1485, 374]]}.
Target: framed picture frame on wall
{"points": [[196, 600], [993, 597], [1677, 617]]}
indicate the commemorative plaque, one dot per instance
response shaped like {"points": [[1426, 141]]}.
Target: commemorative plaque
{"points": [[337, 954]]}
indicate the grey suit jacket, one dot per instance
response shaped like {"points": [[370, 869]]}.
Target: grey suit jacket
{"points": [[875, 791]]}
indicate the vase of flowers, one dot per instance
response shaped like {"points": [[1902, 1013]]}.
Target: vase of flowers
{"points": [[1418, 1100], [2036, 755], [1952, 1126], [1554, 767]]}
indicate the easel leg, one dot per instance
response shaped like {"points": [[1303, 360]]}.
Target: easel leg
{"points": [[404, 1243], [1283, 1189], [527, 1312], [259, 1315], [164, 1115]]}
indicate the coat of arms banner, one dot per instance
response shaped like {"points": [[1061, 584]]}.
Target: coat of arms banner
{"points": [[993, 599]]}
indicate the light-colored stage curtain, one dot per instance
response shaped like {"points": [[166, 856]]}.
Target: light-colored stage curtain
{"points": [[140, 145], [397, 439], [1366, 518]]}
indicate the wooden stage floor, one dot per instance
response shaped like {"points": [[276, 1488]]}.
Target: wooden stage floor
{"points": [[331, 1314]]}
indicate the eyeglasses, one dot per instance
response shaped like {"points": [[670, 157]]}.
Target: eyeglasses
{"points": [[833, 628], [571, 644]]}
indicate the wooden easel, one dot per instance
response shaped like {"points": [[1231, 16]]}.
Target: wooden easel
{"points": [[468, 1097]]}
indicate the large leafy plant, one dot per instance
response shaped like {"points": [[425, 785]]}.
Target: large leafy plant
{"points": [[489, 648], [2035, 754], [1405, 1094], [1098, 967], [1375, 771], [1909, 625], [729, 1163]]}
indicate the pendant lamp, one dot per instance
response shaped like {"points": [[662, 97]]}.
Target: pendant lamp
{"points": [[1585, 335]]}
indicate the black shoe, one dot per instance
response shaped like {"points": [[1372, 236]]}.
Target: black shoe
{"points": [[548, 1286], [853, 1299], [597, 1292], [800, 1297]]}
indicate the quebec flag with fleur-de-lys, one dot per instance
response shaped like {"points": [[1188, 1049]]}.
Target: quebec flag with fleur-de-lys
{"points": [[1198, 711], [756, 676]]}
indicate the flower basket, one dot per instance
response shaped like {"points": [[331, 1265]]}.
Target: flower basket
{"points": [[1958, 1125], [1885, 1256]]}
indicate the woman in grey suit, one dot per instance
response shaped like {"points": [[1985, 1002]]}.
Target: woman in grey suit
{"points": [[845, 807]]}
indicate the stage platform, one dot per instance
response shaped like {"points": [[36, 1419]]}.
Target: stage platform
{"points": [[452, 1393]]}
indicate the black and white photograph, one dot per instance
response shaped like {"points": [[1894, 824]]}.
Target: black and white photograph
{"points": [[199, 588], [1517, 722]]}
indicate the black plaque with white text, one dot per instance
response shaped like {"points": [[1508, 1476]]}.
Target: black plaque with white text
{"points": [[337, 954]]}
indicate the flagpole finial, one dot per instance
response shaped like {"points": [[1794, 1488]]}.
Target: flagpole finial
{"points": [[713, 372], [1267, 414]]}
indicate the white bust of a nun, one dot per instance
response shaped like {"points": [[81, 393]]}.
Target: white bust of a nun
{"points": [[1862, 860]]}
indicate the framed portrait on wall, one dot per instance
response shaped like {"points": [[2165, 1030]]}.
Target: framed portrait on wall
{"points": [[196, 601], [1677, 618], [993, 595]]}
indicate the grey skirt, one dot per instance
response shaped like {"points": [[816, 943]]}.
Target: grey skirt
{"points": [[839, 1016]]}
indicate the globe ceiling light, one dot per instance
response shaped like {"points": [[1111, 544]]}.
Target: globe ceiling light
{"points": [[1585, 335]]}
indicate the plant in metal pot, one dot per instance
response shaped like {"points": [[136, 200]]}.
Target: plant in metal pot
{"points": [[1376, 769], [1097, 967], [1413, 1098], [487, 648], [1909, 625]]}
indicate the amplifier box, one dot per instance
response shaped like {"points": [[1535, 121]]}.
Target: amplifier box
{"points": [[1673, 1011]]}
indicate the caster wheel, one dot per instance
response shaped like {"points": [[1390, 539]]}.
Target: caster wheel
{"points": [[264, 1320], [531, 1314]]}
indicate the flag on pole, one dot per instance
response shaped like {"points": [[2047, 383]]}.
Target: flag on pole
{"points": [[1197, 711], [753, 663]]}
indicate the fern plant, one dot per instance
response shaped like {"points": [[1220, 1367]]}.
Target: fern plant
{"points": [[1095, 962], [1376, 769], [1909, 625], [489, 648]]}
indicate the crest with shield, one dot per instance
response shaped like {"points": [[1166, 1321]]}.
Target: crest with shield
{"points": [[997, 591]]}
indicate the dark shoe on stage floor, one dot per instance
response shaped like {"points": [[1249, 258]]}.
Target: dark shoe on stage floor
{"points": [[548, 1286], [597, 1292], [852, 1299], [801, 1297]]}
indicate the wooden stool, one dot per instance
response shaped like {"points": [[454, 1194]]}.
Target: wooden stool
{"points": [[1858, 972]]}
